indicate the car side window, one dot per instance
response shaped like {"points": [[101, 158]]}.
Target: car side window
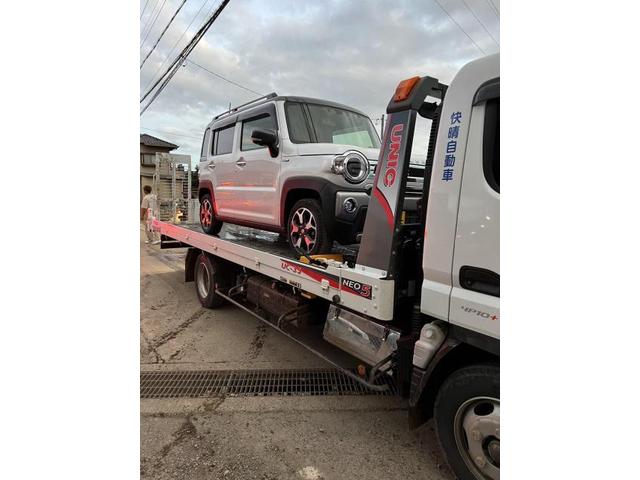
{"points": [[491, 143], [248, 126], [204, 143], [296, 123], [223, 140]]}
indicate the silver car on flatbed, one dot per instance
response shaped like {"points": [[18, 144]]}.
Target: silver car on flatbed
{"points": [[298, 166]]}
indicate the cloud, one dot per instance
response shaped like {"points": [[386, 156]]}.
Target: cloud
{"points": [[352, 52]]}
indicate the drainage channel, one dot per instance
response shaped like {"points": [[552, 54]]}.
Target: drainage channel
{"points": [[255, 383]]}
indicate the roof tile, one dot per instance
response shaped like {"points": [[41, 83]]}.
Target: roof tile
{"points": [[151, 141]]}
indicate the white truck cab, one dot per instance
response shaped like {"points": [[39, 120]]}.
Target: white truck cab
{"points": [[461, 261]]}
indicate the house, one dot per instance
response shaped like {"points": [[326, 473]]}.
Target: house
{"points": [[149, 146]]}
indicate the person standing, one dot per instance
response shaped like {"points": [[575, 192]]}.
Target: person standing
{"points": [[147, 208]]}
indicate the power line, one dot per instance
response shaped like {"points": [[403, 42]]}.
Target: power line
{"points": [[493, 7], [225, 79], [144, 8], [175, 45], [170, 133], [480, 22], [194, 40], [460, 27], [162, 34], [146, 24], [154, 22], [175, 66]]}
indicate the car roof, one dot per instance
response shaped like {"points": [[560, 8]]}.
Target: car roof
{"points": [[232, 118], [319, 101]]}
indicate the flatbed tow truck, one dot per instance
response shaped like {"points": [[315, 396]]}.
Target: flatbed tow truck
{"points": [[418, 299]]}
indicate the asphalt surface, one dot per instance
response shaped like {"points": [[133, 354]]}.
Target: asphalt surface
{"points": [[327, 437]]}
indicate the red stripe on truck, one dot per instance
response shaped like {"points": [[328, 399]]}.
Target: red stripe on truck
{"points": [[385, 206]]}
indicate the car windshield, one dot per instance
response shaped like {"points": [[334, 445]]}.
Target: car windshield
{"points": [[336, 125]]}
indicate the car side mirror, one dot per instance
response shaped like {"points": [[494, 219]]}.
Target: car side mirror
{"points": [[265, 137]]}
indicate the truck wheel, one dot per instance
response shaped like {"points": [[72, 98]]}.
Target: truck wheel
{"points": [[208, 221], [207, 280], [306, 230], [467, 415]]}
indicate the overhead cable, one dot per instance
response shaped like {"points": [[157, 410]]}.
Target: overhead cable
{"points": [[175, 45], [152, 24], [164, 80], [460, 27], [162, 34], [480, 22], [225, 79]]}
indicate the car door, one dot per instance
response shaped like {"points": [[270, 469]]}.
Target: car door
{"points": [[205, 165], [220, 163], [256, 172], [475, 296]]}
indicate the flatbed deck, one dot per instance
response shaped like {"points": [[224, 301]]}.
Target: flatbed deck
{"points": [[269, 242], [358, 287]]}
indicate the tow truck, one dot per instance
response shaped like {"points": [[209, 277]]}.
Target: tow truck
{"points": [[418, 300]]}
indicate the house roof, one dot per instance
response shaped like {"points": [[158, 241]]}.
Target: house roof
{"points": [[151, 141]]}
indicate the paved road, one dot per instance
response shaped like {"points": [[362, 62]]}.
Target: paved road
{"points": [[264, 438]]}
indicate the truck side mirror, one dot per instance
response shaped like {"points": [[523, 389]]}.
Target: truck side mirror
{"points": [[265, 137]]}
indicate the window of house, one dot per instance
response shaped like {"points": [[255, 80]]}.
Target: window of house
{"points": [[248, 126], [147, 159], [224, 140], [491, 143]]}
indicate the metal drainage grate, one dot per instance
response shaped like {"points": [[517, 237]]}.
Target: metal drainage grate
{"points": [[255, 383]]}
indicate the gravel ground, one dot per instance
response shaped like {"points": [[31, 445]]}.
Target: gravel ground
{"points": [[330, 437]]}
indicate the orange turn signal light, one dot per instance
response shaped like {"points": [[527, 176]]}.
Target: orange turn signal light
{"points": [[404, 88]]}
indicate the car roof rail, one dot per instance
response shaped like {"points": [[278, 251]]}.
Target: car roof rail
{"points": [[244, 105]]}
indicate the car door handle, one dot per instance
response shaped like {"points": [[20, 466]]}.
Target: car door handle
{"points": [[241, 162], [480, 280], [211, 165]]}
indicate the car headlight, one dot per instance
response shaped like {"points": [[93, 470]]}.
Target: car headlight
{"points": [[353, 165]]}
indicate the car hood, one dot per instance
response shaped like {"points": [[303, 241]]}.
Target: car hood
{"points": [[335, 149]]}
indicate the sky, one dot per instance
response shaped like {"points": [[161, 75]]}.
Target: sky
{"points": [[350, 51]]}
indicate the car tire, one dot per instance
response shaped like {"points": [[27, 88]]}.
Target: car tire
{"points": [[307, 231], [208, 220], [467, 416], [208, 277]]}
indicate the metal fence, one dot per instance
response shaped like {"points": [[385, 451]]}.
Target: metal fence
{"points": [[172, 184]]}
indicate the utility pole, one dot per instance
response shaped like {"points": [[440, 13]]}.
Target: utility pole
{"points": [[382, 126]]}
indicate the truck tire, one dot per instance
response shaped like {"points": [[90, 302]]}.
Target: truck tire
{"points": [[207, 279], [467, 416], [208, 220], [307, 231]]}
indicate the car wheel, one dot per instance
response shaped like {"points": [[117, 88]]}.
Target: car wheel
{"points": [[208, 278], [306, 230], [467, 414], [208, 221]]}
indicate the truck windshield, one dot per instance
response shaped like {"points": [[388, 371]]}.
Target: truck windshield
{"points": [[337, 125]]}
